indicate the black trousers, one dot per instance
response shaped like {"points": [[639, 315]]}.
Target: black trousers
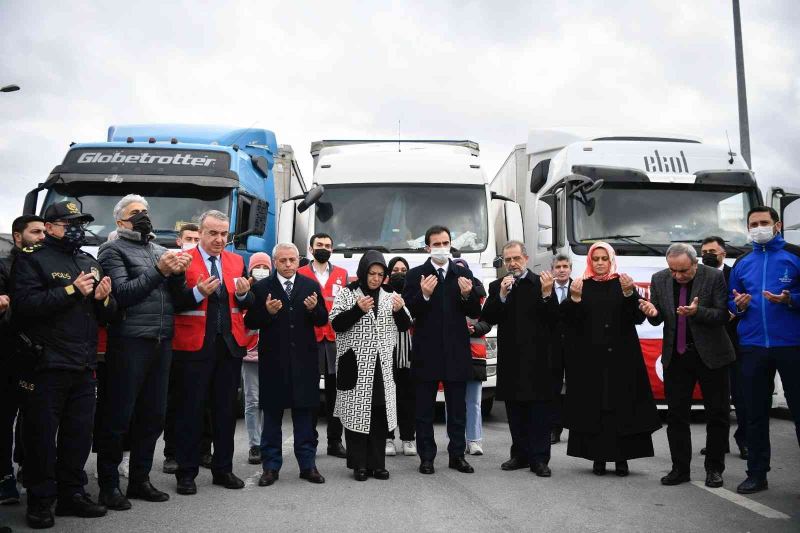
{"points": [[367, 450], [680, 377], [171, 417], [198, 381], [58, 432], [529, 424], [405, 394], [137, 373], [11, 399], [334, 428], [455, 393]]}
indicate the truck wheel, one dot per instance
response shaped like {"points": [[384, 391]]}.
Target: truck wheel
{"points": [[486, 406]]}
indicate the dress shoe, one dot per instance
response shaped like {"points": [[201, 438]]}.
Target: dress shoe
{"points": [[8, 490], [541, 470], [555, 436], [39, 515], [337, 450], [743, 451], [360, 474], [186, 486], [751, 485], [268, 477], [205, 460], [713, 480], [461, 464], [621, 468], [312, 475], [426, 467], [702, 451], [675, 477], [599, 468], [146, 491], [227, 480], [254, 456], [114, 499], [79, 504], [170, 465], [515, 463], [380, 473]]}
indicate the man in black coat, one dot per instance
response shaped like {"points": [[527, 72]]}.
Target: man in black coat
{"points": [[286, 309], [522, 306], [691, 301], [440, 297], [58, 296], [561, 267]]}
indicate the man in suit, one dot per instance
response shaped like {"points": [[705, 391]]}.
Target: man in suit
{"points": [[209, 343], [691, 301], [522, 306], [287, 308], [440, 298], [713, 254], [561, 267]]}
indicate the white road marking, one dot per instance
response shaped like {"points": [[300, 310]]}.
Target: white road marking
{"points": [[742, 501]]}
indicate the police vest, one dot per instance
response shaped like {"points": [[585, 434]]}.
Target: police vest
{"points": [[336, 280], [190, 326]]}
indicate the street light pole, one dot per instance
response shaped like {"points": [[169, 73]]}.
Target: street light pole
{"points": [[744, 122]]}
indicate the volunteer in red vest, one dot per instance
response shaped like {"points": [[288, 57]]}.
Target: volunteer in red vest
{"points": [[331, 278], [209, 344]]}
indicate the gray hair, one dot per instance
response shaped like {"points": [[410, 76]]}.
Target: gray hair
{"points": [[511, 244], [681, 248], [560, 257], [126, 201], [285, 246], [213, 213]]}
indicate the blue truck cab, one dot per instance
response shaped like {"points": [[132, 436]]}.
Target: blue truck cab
{"points": [[182, 171]]}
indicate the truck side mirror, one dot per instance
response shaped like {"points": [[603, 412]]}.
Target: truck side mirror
{"points": [[311, 198], [545, 223], [790, 211], [513, 217], [261, 164], [539, 175], [29, 207]]}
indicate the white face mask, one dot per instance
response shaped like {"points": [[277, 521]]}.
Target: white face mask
{"points": [[440, 255], [188, 246], [260, 273], [761, 234]]}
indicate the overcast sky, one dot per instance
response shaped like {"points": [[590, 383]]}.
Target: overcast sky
{"points": [[482, 70]]}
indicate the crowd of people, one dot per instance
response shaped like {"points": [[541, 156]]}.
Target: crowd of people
{"points": [[109, 353]]}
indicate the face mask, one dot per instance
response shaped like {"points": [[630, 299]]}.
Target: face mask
{"points": [[141, 223], [260, 273], [75, 235], [322, 255], [761, 234], [397, 280], [711, 260], [440, 255], [188, 246]]}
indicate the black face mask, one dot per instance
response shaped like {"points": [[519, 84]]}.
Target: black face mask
{"points": [[397, 280], [322, 255], [141, 223], [74, 235], [711, 260]]}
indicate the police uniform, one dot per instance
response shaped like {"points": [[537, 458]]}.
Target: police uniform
{"points": [[60, 353]]}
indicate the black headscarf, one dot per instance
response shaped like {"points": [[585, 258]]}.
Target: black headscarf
{"points": [[396, 283], [370, 257]]}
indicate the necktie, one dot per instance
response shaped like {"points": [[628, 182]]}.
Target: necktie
{"points": [[561, 293], [682, 322], [441, 275], [215, 273], [288, 287]]}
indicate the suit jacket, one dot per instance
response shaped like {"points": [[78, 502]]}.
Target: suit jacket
{"points": [[707, 325], [440, 343], [288, 370], [562, 336], [734, 323]]}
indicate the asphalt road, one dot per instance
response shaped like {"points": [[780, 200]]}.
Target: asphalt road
{"points": [[488, 500]]}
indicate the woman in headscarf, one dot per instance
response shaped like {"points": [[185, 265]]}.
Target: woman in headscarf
{"points": [[610, 409], [366, 319]]}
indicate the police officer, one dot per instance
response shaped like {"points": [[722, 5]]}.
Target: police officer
{"points": [[59, 295]]}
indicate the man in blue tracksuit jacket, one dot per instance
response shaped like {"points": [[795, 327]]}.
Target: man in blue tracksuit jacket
{"points": [[765, 294]]}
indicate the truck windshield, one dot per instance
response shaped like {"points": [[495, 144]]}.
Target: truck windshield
{"points": [[170, 206], [661, 215], [396, 216]]}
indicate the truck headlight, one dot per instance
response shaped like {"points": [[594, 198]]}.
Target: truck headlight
{"points": [[491, 370], [491, 347]]}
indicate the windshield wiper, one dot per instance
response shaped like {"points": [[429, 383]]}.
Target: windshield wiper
{"points": [[361, 249], [629, 238], [418, 249], [698, 241]]}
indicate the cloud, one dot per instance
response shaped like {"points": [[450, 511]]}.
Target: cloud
{"points": [[487, 71]]}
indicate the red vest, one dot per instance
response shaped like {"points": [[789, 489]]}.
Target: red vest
{"points": [[337, 278], [190, 326]]}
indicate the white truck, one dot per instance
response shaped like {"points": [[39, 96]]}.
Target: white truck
{"points": [[639, 192], [384, 195]]}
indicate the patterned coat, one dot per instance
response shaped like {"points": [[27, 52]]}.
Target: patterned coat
{"points": [[369, 338]]}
